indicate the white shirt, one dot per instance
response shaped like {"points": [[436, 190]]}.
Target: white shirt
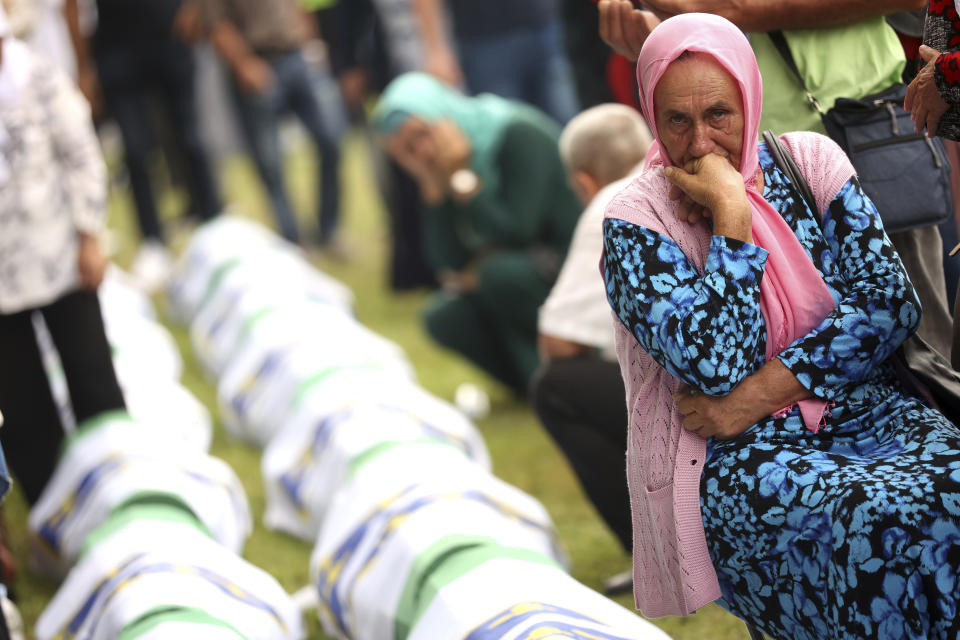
{"points": [[577, 309], [52, 179]]}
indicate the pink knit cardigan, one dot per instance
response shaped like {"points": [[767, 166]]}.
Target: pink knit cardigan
{"points": [[672, 570]]}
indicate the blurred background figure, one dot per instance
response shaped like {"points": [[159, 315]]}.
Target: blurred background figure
{"points": [[512, 49], [371, 42], [58, 29], [262, 43], [933, 98], [52, 210], [147, 70], [577, 392], [498, 215]]}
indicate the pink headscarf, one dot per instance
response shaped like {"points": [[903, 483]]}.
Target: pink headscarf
{"points": [[793, 297]]}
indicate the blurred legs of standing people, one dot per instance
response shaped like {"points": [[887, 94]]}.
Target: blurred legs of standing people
{"points": [[293, 89], [129, 77], [361, 55], [588, 53], [528, 64], [334, 124], [512, 49], [32, 430]]}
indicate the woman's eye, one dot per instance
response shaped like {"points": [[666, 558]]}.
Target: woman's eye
{"points": [[677, 119], [718, 114]]}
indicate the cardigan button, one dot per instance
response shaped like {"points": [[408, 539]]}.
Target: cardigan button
{"points": [[693, 462]]}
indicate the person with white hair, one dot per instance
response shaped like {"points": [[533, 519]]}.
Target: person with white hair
{"points": [[577, 391], [52, 209]]}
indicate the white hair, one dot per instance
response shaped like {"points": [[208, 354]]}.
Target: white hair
{"points": [[606, 141]]}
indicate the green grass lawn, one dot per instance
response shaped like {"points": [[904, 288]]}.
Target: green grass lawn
{"points": [[522, 452]]}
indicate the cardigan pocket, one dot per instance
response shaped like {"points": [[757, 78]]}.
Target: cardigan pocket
{"points": [[662, 519], [660, 549]]}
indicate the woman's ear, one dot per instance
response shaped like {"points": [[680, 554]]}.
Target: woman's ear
{"points": [[585, 186]]}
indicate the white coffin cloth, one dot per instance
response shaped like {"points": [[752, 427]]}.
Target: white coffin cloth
{"points": [[106, 463], [362, 573], [346, 416]]}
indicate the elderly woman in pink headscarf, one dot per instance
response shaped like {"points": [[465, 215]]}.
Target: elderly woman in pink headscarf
{"points": [[774, 462]]}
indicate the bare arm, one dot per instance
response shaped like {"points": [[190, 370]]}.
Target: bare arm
{"points": [[230, 43], [441, 59], [625, 28], [86, 73], [768, 15], [251, 71]]}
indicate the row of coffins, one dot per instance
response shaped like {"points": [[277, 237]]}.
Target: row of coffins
{"points": [[414, 537], [145, 524]]}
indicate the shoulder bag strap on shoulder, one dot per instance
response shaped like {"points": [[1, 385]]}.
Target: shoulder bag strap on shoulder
{"points": [[780, 42], [783, 159]]}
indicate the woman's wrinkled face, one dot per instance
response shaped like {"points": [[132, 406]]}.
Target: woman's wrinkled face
{"points": [[699, 110], [413, 143]]}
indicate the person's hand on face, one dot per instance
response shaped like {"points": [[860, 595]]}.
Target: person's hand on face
{"points": [[413, 147], [700, 122], [923, 99], [705, 184], [452, 147]]}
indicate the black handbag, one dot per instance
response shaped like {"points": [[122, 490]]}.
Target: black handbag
{"points": [[906, 174]]}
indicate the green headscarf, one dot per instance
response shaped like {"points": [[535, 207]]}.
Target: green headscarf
{"points": [[483, 119]]}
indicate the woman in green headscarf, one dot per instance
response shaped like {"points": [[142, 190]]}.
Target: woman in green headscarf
{"points": [[498, 215]]}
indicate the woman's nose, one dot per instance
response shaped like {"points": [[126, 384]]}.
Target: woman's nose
{"points": [[702, 142]]}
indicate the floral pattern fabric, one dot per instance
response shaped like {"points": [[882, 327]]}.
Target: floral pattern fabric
{"points": [[52, 183], [850, 532]]}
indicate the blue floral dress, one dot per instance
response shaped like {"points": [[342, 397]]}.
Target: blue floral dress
{"points": [[850, 532]]}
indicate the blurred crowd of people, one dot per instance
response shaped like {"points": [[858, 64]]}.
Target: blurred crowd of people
{"points": [[501, 130]]}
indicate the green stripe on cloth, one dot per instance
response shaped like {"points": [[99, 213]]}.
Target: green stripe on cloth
{"points": [[146, 505], [317, 378], [90, 426], [371, 454], [160, 615], [256, 317], [445, 561], [215, 279]]}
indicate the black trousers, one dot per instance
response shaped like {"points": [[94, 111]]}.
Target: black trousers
{"points": [[32, 432], [581, 402], [132, 76]]}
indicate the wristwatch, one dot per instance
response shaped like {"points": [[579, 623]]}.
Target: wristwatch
{"points": [[464, 183]]}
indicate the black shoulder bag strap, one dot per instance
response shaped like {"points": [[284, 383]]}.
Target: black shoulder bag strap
{"points": [[788, 165], [780, 42]]}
